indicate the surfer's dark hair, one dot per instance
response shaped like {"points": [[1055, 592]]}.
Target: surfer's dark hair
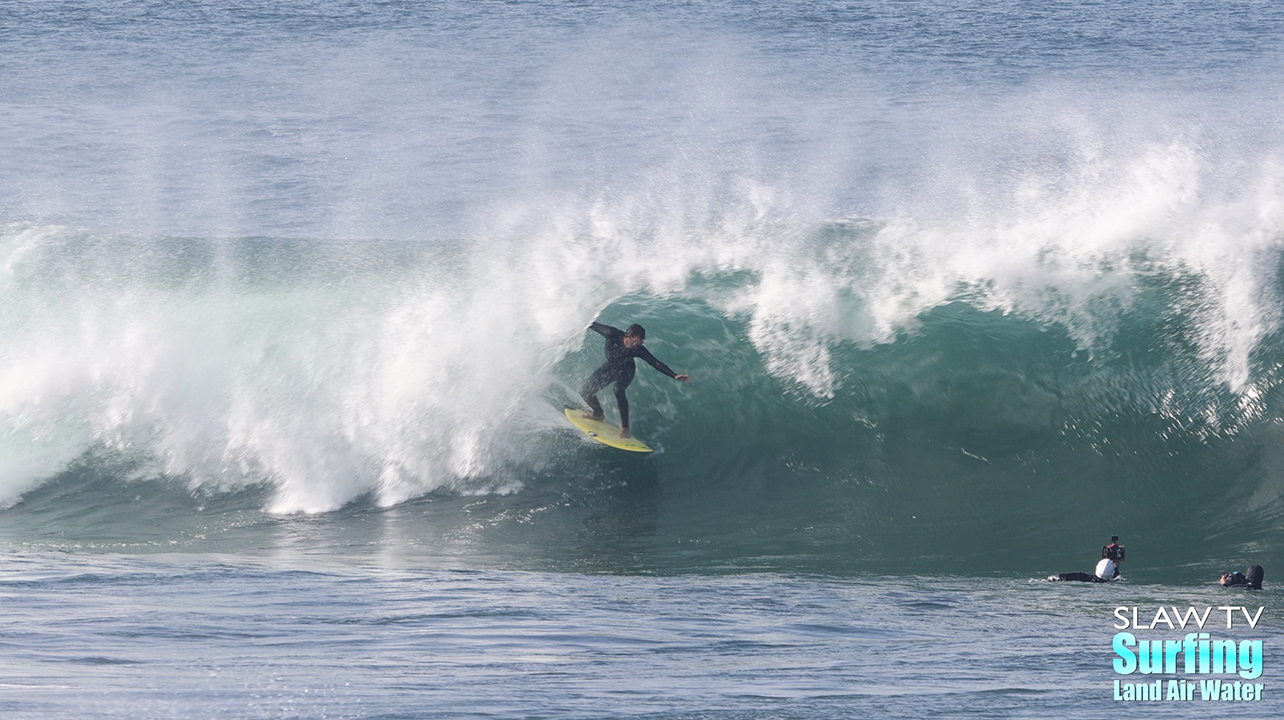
{"points": [[636, 331]]}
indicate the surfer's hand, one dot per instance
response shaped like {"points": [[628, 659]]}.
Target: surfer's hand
{"points": [[683, 378]]}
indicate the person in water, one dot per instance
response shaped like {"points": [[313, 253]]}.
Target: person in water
{"points": [[621, 347], [1107, 568], [1250, 579], [1113, 552]]}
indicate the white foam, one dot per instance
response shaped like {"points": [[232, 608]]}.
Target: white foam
{"points": [[333, 380]]}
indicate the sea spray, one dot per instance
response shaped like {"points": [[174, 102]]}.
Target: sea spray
{"points": [[933, 292], [338, 373]]}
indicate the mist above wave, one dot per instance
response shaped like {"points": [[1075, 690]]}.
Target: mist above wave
{"points": [[467, 192]]}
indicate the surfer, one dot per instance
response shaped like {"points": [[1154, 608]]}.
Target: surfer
{"points": [[621, 347], [1250, 579], [1107, 568]]}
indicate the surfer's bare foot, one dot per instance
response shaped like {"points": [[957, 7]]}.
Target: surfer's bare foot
{"points": [[591, 416], [624, 433]]}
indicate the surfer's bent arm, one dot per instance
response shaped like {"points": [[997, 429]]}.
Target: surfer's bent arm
{"points": [[605, 330], [646, 355]]}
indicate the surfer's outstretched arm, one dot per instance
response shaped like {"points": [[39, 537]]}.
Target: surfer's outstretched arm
{"points": [[651, 359], [604, 329]]}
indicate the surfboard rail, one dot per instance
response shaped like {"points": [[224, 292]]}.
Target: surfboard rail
{"points": [[604, 432]]}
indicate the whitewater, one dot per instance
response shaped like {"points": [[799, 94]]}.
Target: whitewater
{"points": [[292, 296]]}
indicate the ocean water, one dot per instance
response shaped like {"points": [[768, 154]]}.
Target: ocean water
{"points": [[230, 636], [292, 295]]}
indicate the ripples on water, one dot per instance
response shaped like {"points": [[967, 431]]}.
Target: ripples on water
{"points": [[200, 636]]}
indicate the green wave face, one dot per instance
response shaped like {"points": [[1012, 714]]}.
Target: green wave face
{"points": [[866, 398]]}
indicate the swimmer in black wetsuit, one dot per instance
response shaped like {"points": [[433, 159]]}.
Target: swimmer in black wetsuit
{"points": [[1250, 579], [1112, 556], [621, 347], [1114, 551]]}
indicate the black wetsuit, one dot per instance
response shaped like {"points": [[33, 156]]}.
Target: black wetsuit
{"points": [[1251, 579], [1254, 576], [617, 369], [1078, 577], [1115, 552]]}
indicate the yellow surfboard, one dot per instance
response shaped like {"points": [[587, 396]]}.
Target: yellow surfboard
{"points": [[604, 432]]}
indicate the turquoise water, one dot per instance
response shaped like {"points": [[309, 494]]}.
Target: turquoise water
{"points": [[292, 296]]}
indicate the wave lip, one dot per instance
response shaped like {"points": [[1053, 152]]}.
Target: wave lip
{"points": [[228, 385]]}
